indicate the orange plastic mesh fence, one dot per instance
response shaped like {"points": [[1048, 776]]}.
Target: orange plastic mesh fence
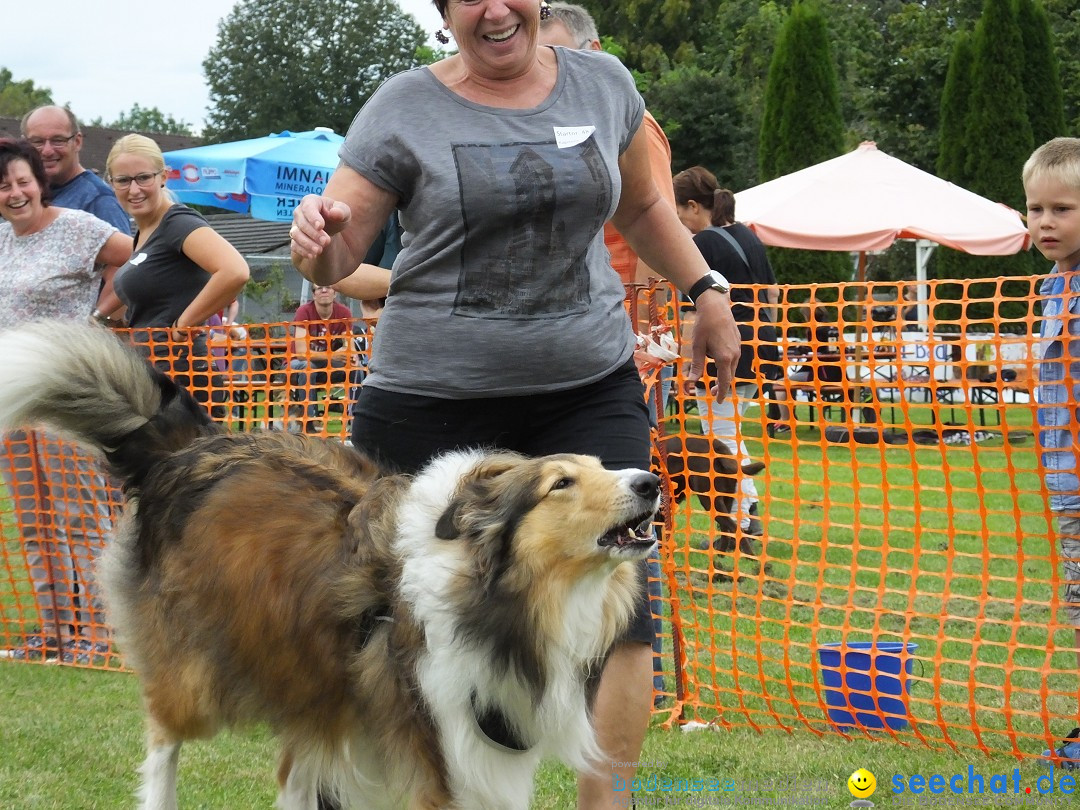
{"points": [[900, 575]]}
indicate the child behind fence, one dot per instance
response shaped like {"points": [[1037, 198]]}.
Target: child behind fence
{"points": [[1052, 185]]}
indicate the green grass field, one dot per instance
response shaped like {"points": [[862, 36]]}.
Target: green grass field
{"points": [[944, 546], [72, 739]]}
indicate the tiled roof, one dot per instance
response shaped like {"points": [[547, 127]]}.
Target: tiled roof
{"points": [[97, 141], [252, 237]]}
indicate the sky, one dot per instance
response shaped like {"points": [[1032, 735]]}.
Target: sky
{"points": [[104, 56]]}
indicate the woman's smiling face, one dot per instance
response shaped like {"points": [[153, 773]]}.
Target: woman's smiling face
{"points": [[20, 195], [136, 198], [496, 38]]}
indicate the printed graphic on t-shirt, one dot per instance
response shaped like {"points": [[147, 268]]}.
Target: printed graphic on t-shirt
{"points": [[530, 213]]}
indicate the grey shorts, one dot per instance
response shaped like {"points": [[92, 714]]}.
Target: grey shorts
{"points": [[1069, 535]]}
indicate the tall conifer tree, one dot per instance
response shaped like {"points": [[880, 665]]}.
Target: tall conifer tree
{"points": [[1042, 80], [999, 137], [953, 145], [802, 125], [955, 102]]}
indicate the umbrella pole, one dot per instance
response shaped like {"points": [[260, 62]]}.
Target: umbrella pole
{"points": [[862, 333]]}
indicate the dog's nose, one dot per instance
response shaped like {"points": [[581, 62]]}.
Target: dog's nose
{"points": [[647, 485]]}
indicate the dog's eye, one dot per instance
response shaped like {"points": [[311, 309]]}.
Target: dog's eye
{"points": [[562, 483]]}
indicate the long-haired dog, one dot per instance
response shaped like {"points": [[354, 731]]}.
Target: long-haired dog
{"points": [[413, 641]]}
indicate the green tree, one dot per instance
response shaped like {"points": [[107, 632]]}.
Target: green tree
{"points": [[140, 119], [801, 126], [654, 31], [18, 98], [998, 138], [1042, 82], [702, 121], [900, 102], [298, 64], [955, 104], [1064, 18]]}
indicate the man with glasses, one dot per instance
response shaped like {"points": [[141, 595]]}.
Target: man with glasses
{"points": [[54, 132]]}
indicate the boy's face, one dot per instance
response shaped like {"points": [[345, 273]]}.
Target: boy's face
{"points": [[1053, 212]]}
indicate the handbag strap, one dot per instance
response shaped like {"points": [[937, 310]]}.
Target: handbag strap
{"points": [[763, 313], [733, 242]]}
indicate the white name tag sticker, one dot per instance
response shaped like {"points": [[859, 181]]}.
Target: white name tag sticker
{"points": [[135, 261], [565, 137]]}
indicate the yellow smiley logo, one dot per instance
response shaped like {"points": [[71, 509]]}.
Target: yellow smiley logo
{"points": [[862, 784]]}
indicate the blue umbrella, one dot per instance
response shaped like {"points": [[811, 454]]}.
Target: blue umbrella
{"points": [[266, 176]]}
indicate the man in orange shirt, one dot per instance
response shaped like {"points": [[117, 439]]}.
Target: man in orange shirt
{"points": [[573, 27]]}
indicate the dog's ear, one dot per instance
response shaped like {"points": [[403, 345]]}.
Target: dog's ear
{"points": [[446, 527], [753, 467], [486, 511], [475, 488]]}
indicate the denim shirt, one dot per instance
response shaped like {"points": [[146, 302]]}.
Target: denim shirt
{"points": [[1058, 416]]}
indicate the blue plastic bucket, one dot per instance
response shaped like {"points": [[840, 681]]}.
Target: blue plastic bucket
{"points": [[876, 696]]}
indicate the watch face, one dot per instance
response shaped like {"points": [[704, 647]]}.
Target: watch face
{"points": [[719, 281]]}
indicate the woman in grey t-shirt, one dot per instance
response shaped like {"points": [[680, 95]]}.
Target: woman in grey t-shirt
{"points": [[504, 325]]}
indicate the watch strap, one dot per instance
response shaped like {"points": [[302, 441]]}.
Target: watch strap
{"points": [[706, 282]]}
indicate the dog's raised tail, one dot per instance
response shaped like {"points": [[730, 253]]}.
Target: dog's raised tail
{"points": [[80, 380]]}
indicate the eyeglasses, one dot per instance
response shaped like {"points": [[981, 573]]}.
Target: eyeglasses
{"points": [[142, 180], [56, 142]]}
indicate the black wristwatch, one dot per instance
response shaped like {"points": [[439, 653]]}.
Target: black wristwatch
{"points": [[711, 281]]}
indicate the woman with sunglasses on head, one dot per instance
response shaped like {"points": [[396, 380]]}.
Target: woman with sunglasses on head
{"points": [[53, 262], [181, 271]]}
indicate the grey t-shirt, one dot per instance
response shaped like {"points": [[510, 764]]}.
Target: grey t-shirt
{"points": [[503, 286]]}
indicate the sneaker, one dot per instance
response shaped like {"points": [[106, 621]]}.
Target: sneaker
{"points": [[84, 652], [34, 648], [778, 430], [1069, 751]]}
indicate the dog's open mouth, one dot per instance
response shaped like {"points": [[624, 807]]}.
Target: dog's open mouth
{"points": [[635, 533]]}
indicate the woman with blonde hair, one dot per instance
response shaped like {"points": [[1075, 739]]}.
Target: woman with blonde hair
{"points": [[181, 271]]}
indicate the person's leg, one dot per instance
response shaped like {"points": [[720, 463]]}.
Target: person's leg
{"points": [[21, 474], [746, 393], [609, 419], [656, 603], [621, 716], [55, 580], [1069, 538], [84, 518], [721, 420], [298, 392], [317, 383], [780, 394]]}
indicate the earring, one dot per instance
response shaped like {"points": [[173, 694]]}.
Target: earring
{"points": [[545, 10], [442, 37]]}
